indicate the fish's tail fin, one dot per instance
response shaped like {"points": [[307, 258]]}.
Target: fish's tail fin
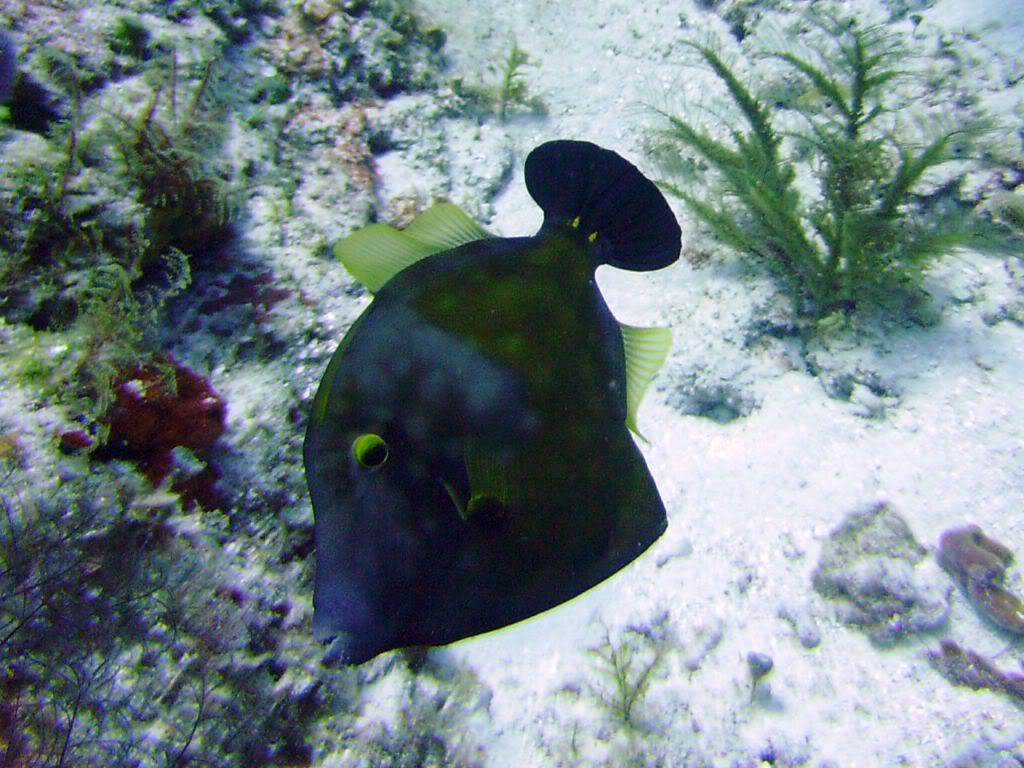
{"points": [[607, 200]]}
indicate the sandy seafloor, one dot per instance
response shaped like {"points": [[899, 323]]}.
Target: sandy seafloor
{"points": [[751, 499]]}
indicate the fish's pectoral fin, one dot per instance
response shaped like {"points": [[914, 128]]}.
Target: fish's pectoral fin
{"points": [[485, 511], [488, 513], [453, 494], [646, 351], [378, 252]]}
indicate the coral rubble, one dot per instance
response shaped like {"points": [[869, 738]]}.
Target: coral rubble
{"points": [[868, 567]]}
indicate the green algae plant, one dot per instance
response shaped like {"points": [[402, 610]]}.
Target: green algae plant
{"points": [[862, 241], [74, 268], [187, 205], [626, 666], [509, 95], [513, 87]]}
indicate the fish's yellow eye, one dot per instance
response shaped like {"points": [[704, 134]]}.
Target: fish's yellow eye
{"points": [[370, 450]]}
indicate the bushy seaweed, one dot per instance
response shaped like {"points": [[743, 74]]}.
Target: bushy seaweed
{"points": [[863, 239], [102, 224], [73, 574], [187, 206], [114, 615], [625, 667]]}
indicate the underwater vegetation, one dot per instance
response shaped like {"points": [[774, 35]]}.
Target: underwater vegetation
{"points": [[623, 706], [968, 668], [1007, 207], [867, 236], [626, 667], [115, 615], [187, 206], [93, 272], [978, 564], [468, 453], [510, 94]]}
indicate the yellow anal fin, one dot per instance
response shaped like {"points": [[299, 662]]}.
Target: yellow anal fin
{"points": [[378, 252], [646, 351]]}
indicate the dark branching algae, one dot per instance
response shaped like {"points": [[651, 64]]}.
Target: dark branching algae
{"points": [[868, 240], [468, 454], [978, 565]]}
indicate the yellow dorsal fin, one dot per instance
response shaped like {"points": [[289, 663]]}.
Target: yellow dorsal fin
{"points": [[646, 351], [445, 225], [377, 252]]}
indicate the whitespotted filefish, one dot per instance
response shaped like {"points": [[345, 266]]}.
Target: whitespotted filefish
{"points": [[468, 454]]}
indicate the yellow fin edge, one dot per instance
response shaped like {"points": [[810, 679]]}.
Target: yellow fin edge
{"points": [[378, 252]]}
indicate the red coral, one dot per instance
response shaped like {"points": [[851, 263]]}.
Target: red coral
{"points": [[152, 416]]}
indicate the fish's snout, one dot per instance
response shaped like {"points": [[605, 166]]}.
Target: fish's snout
{"points": [[345, 648], [337, 652]]}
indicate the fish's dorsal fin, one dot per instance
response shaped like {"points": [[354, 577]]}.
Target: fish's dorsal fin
{"points": [[646, 351], [604, 200], [378, 252], [446, 226]]}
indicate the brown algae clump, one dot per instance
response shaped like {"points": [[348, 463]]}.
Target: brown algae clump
{"points": [[978, 565], [962, 666]]}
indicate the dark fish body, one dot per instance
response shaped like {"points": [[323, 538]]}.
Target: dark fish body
{"points": [[494, 378]]}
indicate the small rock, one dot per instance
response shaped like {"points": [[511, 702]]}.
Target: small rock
{"points": [[760, 664], [803, 623]]}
